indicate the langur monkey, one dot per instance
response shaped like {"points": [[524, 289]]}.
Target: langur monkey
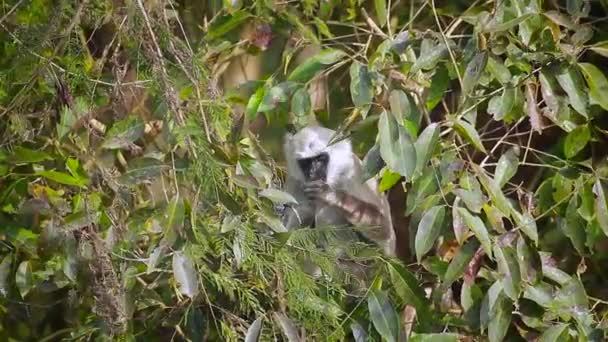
{"points": [[326, 180]]}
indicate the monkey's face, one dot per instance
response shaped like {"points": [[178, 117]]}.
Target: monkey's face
{"points": [[315, 168]]}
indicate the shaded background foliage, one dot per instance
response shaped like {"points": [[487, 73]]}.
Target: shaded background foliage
{"points": [[140, 168]]}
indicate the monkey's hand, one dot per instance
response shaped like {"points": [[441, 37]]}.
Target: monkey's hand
{"points": [[316, 190]]}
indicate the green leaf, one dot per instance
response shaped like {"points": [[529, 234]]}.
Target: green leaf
{"points": [[422, 187], [527, 224], [600, 48], [571, 81], [383, 315], [123, 133], [23, 155], [474, 71], [361, 89], [468, 133], [439, 85], [5, 273], [425, 145], [597, 82], [24, 278], [506, 167], [478, 228], [509, 269], [500, 320], [601, 206], [576, 141], [529, 261], [459, 263], [443, 337], [254, 103], [505, 26], [499, 70], [185, 275], [323, 28], [307, 70], [555, 334], [381, 11], [274, 96], [396, 147], [408, 289], [573, 226], [389, 179], [140, 170], [429, 59], [278, 196], [400, 104], [372, 162], [222, 27], [496, 195], [253, 333], [63, 178], [428, 231], [300, 102]]}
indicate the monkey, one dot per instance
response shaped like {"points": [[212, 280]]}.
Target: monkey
{"points": [[326, 181]]}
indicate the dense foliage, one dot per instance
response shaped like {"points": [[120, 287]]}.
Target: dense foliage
{"points": [[137, 203]]}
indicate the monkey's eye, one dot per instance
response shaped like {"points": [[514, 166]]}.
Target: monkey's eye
{"points": [[323, 157], [304, 164]]}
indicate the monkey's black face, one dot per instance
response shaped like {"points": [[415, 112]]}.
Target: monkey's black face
{"points": [[315, 168]]}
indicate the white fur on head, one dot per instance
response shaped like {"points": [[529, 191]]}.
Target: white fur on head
{"points": [[311, 141]]}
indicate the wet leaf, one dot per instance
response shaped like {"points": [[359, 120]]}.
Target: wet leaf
{"points": [[185, 275], [428, 231], [396, 147], [383, 315]]}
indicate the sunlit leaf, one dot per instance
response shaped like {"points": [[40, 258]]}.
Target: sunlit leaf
{"points": [[24, 278], [443, 337], [381, 11], [388, 180], [428, 231], [383, 315], [63, 178], [600, 48], [185, 275], [254, 103], [253, 333]]}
